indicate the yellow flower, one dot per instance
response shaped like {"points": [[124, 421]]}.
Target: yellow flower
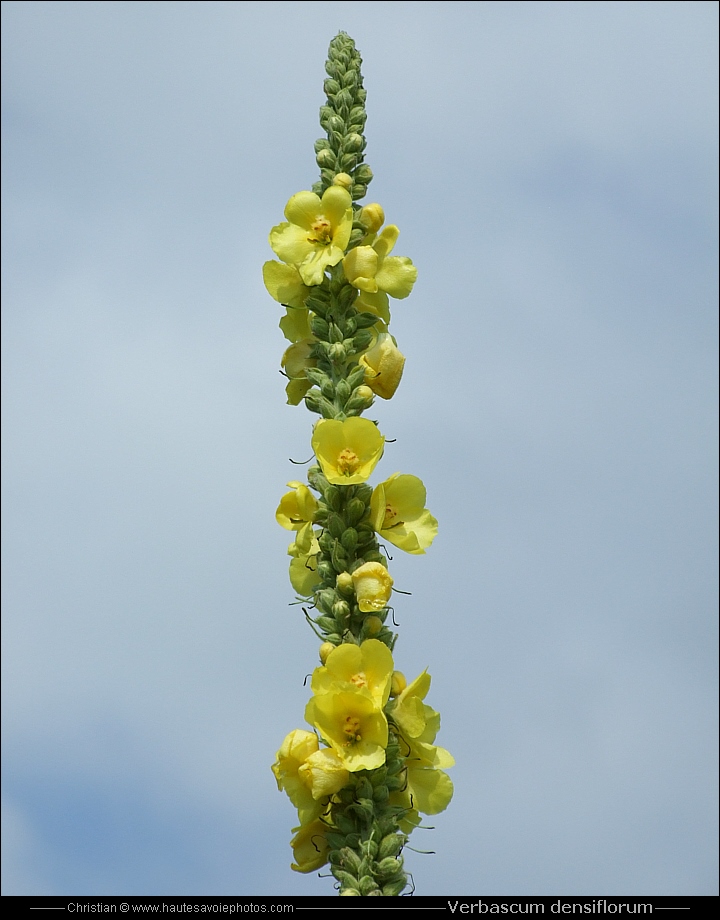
{"points": [[324, 773], [295, 325], [373, 586], [383, 365], [398, 513], [376, 273], [430, 789], [310, 846], [367, 667], [284, 284], [295, 361], [316, 233], [352, 725], [303, 566], [296, 508], [297, 747], [347, 451], [408, 709], [419, 724]]}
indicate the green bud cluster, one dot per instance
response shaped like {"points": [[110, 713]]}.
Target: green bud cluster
{"points": [[343, 119], [341, 333], [365, 842], [348, 541]]}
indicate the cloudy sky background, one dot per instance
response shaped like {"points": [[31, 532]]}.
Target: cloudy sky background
{"points": [[552, 169]]}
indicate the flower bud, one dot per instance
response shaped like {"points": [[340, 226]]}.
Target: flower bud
{"points": [[325, 570], [325, 650], [344, 584], [336, 525], [341, 610], [347, 880], [326, 159], [347, 296], [368, 886], [365, 320], [398, 683], [363, 174], [339, 557], [350, 860], [342, 179], [319, 327], [349, 78], [354, 511], [363, 788], [342, 391], [372, 625], [348, 161], [353, 143], [389, 846], [349, 539], [337, 353], [318, 377], [364, 492], [324, 600], [344, 99], [361, 340], [372, 217], [356, 376], [393, 889]]}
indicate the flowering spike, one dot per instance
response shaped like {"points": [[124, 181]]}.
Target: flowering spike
{"points": [[360, 779]]}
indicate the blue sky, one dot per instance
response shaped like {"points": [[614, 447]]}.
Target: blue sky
{"points": [[552, 169]]}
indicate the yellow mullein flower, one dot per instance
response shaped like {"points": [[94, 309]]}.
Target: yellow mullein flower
{"points": [[296, 508], [398, 513], [373, 586], [430, 789], [374, 272], [383, 365], [409, 818], [352, 725], [295, 325], [295, 361], [284, 284], [316, 233], [310, 846], [324, 773], [297, 747], [419, 724], [347, 451], [408, 709], [303, 566], [367, 667]]}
